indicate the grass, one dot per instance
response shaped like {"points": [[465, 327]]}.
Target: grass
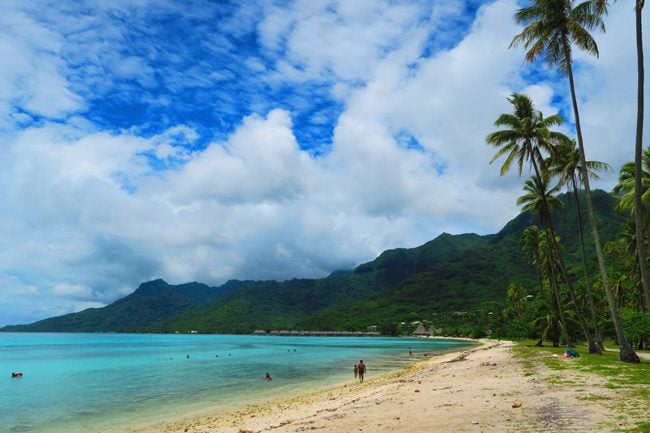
{"points": [[631, 381]]}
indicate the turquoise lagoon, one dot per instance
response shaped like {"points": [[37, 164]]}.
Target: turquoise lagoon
{"points": [[106, 382]]}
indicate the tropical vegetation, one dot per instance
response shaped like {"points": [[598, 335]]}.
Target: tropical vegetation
{"points": [[553, 29]]}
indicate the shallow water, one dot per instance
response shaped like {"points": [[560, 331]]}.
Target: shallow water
{"points": [[97, 382]]}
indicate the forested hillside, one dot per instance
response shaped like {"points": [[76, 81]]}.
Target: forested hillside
{"points": [[452, 272]]}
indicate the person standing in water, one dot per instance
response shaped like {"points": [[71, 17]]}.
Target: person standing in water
{"points": [[362, 370]]}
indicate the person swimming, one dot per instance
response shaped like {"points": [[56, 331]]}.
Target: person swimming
{"points": [[268, 377]]}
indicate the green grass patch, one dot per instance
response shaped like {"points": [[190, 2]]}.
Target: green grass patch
{"points": [[631, 381], [643, 427]]}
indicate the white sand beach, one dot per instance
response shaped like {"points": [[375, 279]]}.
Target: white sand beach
{"points": [[483, 389]]}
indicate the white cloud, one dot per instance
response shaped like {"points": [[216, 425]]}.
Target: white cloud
{"points": [[607, 89], [261, 161], [78, 291], [88, 214], [34, 80], [346, 39]]}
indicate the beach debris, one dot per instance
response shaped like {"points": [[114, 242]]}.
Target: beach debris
{"points": [[570, 353], [460, 357], [489, 364], [417, 390], [475, 422], [516, 404]]}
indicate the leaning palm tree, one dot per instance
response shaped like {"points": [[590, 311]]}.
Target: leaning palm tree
{"points": [[565, 164], [553, 28]]}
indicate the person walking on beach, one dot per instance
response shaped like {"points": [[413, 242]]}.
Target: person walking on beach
{"points": [[362, 370], [356, 370]]}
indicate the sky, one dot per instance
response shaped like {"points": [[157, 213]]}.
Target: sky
{"points": [[211, 140]]}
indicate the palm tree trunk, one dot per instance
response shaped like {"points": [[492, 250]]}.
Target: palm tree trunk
{"points": [[593, 348], [627, 354], [550, 238], [638, 155], [556, 292], [591, 343], [590, 297]]}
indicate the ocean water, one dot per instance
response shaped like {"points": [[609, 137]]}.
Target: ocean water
{"points": [[101, 382]]}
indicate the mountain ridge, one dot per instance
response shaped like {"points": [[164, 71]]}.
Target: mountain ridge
{"points": [[446, 273]]}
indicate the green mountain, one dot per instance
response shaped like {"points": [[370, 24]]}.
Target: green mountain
{"points": [[152, 302], [275, 305], [451, 272]]}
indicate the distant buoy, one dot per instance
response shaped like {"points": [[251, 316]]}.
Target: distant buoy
{"points": [[18, 374]]}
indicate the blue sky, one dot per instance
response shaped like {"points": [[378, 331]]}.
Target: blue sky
{"points": [[205, 140]]}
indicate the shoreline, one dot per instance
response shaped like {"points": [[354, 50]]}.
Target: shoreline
{"points": [[268, 414], [226, 418], [478, 389]]}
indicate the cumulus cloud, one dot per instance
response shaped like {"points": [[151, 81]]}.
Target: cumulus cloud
{"points": [[406, 92]]}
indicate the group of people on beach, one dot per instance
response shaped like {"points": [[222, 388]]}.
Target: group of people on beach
{"points": [[360, 370]]}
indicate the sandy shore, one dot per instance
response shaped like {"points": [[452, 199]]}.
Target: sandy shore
{"points": [[483, 389]]}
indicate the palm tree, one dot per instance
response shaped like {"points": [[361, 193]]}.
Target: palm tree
{"points": [[628, 192], [530, 242], [548, 324], [553, 27], [527, 137], [626, 283], [516, 295], [566, 165], [539, 200], [638, 156], [626, 187]]}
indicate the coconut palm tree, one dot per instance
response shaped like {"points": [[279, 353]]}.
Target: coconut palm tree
{"points": [[530, 241], [527, 137], [626, 187], [565, 164], [553, 28], [639, 209], [541, 200], [628, 192], [626, 283]]}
